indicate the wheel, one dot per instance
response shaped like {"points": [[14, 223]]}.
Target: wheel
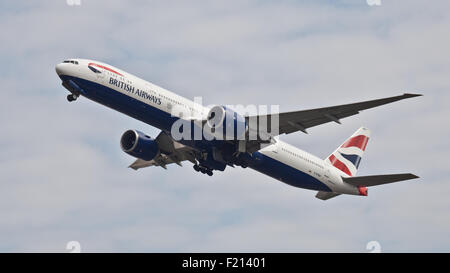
{"points": [[209, 172], [71, 97], [202, 170], [196, 168]]}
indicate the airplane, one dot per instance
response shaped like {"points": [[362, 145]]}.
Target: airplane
{"points": [[265, 153]]}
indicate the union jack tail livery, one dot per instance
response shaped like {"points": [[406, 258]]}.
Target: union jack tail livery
{"points": [[348, 156]]}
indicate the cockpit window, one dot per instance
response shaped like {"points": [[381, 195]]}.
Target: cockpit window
{"points": [[70, 61]]}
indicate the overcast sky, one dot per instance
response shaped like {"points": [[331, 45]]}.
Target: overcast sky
{"points": [[63, 176]]}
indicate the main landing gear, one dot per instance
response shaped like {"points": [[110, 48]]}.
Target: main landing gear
{"points": [[202, 169], [72, 97]]}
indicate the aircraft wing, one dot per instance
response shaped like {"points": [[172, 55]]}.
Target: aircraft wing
{"points": [[290, 122], [170, 152]]}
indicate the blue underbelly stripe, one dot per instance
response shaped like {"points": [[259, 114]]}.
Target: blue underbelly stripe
{"points": [[285, 173]]}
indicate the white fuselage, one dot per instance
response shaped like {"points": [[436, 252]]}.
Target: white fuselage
{"points": [[165, 101]]}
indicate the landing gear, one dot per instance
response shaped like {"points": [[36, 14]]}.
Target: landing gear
{"points": [[72, 97], [203, 169], [196, 168]]}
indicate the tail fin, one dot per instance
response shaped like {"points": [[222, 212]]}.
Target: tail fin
{"points": [[348, 156]]}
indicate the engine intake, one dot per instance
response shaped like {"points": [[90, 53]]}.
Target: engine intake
{"points": [[139, 145], [226, 123]]}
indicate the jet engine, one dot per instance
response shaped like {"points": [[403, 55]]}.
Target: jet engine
{"points": [[139, 145], [226, 123]]}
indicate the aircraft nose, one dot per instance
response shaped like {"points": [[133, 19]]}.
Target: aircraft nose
{"points": [[59, 69], [63, 69]]}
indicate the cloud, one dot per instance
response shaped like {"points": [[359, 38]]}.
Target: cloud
{"points": [[63, 176]]}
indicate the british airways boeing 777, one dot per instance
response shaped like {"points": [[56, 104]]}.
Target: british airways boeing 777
{"points": [[213, 138]]}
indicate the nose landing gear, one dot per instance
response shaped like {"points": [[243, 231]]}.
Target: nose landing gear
{"points": [[72, 97]]}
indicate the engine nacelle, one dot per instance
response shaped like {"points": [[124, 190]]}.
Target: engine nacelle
{"points": [[226, 123], [139, 145]]}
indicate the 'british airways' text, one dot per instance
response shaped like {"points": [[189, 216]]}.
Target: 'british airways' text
{"points": [[132, 90]]}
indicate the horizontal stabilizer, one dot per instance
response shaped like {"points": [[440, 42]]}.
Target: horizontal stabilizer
{"points": [[323, 195], [374, 180]]}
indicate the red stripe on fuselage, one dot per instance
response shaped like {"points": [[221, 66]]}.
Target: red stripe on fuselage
{"points": [[339, 165], [106, 68], [357, 141]]}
